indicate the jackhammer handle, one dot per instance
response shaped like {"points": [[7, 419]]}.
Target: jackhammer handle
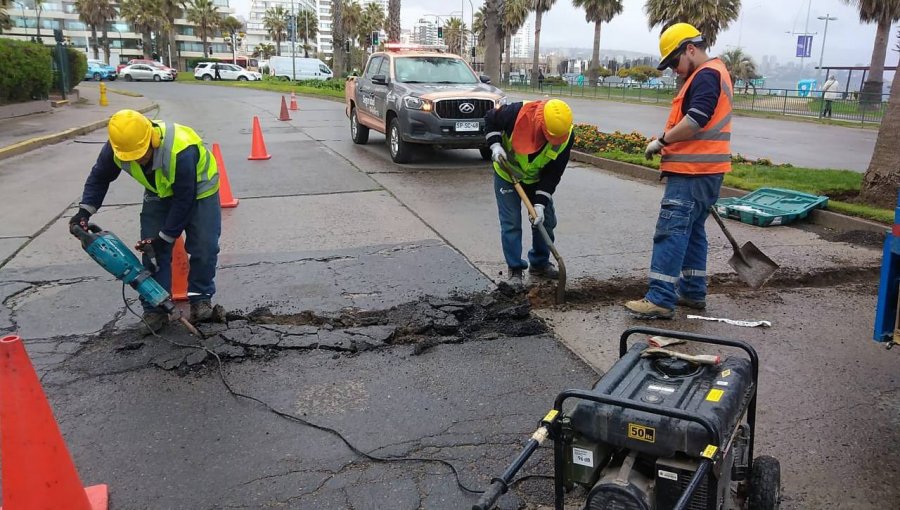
{"points": [[490, 496], [85, 236]]}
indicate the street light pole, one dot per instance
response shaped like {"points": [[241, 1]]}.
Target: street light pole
{"points": [[826, 18], [293, 44]]}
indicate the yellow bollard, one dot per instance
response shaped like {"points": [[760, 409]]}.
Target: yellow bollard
{"points": [[103, 101]]}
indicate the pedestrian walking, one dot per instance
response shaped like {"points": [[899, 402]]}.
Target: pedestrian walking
{"points": [[182, 195], [536, 137], [580, 79], [830, 92], [216, 67], [696, 154], [541, 80]]}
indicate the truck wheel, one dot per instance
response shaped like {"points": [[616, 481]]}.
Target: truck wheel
{"points": [[765, 484], [401, 152], [486, 153], [358, 132], [207, 77]]}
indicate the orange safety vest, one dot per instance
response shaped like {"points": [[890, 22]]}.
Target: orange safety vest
{"points": [[708, 151]]}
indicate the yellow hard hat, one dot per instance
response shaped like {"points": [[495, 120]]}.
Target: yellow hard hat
{"points": [[129, 134], [672, 38], [557, 121]]}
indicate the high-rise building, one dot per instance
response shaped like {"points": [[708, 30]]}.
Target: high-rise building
{"points": [[324, 40], [256, 29], [124, 43], [425, 31], [523, 41]]}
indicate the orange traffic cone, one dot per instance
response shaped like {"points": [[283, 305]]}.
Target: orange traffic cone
{"points": [[226, 199], [284, 111], [38, 471], [180, 268], [294, 106], [258, 147]]}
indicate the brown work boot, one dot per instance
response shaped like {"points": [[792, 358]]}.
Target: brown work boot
{"points": [[547, 271], [645, 309], [201, 311], [696, 304], [155, 321]]}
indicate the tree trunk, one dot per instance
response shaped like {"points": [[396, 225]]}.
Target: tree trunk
{"points": [[594, 70], [394, 17], [95, 45], [148, 44], [872, 88], [507, 48], [493, 39], [536, 61], [278, 47], [337, 37], [173, 47], [882, 178], [106, 42]]}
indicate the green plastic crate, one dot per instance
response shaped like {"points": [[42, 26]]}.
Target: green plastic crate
{"points": [[770, 206]]}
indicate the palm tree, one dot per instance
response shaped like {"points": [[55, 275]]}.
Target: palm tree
{"points": [[882, 178], [351, 19], [740, 66], [275, 21], [597, 12], [106, 12], [87, 13], [710, 16], [493, 39], [515, 13], [883, 12], [205, 16], [372, 21], [264, 51], [455, 35], [38, 8], [337, 36], [478, 26], [172, 9], [307, 28], [144, 16], [540, 7], [392, 24]]}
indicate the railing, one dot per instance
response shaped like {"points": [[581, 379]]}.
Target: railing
{"points": [[785, 102]]}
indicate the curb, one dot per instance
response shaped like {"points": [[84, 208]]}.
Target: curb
{"points": [[42, 141], [820, 217]]}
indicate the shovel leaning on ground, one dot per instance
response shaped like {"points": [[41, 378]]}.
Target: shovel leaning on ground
{"points": [[750, 263], [515, 174]]}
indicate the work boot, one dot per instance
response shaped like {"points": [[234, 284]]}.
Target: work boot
{"points": [[515, 277], [155, 321], [645, 309], [547, 271], [201, 311], [696, 304]]}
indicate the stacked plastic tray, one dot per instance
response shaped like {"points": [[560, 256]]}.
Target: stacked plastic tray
{"points": [[770, 206]]}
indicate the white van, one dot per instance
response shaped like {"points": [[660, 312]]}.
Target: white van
{"points": [[302, 69]]}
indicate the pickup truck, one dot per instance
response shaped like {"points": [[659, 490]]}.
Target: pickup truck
{"points": [[420, 96]]}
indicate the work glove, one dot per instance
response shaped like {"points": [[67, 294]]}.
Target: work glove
{"points": [[539, 215], [81, 218], [150, 247], [654, 147], [498, 153]]}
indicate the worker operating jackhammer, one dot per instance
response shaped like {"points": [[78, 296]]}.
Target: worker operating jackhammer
{"points": [[537, 138], [182, 195]]}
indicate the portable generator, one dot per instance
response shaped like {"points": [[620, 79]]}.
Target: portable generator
{"points": [[660, 430]]}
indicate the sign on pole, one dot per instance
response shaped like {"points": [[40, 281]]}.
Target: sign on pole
{"points": [[804, 46]]}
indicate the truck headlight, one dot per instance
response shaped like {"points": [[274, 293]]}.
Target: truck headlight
{"points": [[504, 100], [417, 103]]}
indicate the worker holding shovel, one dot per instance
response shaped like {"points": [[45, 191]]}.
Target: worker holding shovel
{"points": [[534, 138], [696, 154]]}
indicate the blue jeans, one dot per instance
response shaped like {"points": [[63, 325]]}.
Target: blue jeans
{"points": [[201, 243], [679, 244], [509, 207]]}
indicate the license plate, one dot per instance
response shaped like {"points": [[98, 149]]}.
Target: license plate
{"points": [[468, 126]]}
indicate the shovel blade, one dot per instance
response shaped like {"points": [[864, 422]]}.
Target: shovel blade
{"points": [[755, 267]]}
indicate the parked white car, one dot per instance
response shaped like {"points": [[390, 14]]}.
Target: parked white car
{"points": [[207, 71], [138, 72]]}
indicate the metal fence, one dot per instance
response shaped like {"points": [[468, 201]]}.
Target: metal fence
{"points": [[785, 102]]}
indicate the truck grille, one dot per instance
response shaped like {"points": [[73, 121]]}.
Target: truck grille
{"points": [[450, 108]]}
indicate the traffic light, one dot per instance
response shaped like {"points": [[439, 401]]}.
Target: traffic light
{"points": [[440, 32], [375, 38], [347, 46]]}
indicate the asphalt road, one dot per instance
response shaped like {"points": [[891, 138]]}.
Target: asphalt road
{"points": [[366, 286]]}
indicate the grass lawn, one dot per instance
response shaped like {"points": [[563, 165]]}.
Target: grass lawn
{"points": [[268, 84], [833, 183]]}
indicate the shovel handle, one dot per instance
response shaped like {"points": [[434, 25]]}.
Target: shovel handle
{"points": [[734, 245]]}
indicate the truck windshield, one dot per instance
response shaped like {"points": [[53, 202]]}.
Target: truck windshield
{"points": [[433, 70]]}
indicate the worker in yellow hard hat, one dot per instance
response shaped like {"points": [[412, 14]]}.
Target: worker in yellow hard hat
{"points": [[696, 154], [182, 195], [536, 137]]}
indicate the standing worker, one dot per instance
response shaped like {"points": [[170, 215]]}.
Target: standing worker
{"points": [[696, 154], [182, 194], [536, 137], [829, 94]]}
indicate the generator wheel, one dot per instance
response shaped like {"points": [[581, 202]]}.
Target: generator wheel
{"points": [[765, 484]]}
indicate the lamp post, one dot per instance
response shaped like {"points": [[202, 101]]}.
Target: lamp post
{"points": [[825, 18]]}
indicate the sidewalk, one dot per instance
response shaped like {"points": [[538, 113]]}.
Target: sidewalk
{"points": [[23, 134]]}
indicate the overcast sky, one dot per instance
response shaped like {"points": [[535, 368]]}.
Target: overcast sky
{"points": [[760, 30]]}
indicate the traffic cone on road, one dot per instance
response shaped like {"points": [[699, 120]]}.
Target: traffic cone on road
{"points": [[226, 199], [258, 147], [38, 471], [294, 106], [284, 111], [180, 267]]}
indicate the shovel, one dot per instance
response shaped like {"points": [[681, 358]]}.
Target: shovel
{"points": [[515, 175], [750, 263]]}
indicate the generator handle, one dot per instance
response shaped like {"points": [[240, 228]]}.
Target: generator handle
{"points": [[500, 485], [490, 496], [699, 475]]}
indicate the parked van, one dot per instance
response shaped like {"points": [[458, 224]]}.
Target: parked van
{"points": [[304, 69]]}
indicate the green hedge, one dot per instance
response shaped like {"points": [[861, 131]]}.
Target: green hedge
{"points": [[77, 67], [25, 71]]}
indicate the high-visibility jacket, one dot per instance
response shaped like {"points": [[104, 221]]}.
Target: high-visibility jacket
{"points": [[530, 169], [175, 138], [708, 151]]}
